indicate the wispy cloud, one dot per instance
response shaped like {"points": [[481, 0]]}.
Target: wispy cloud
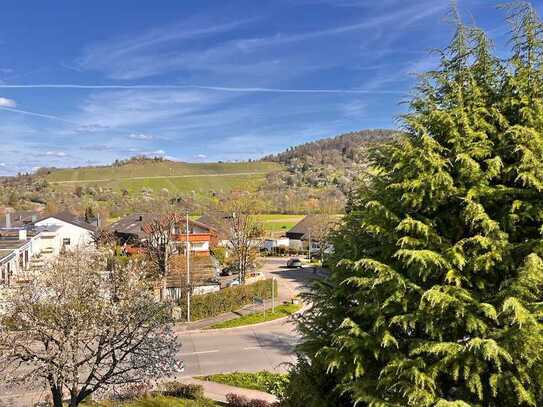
{"points": [[163, 50], [35, 114], [132, 57], [140, 136], [5, 102], [55, 153], [201, 87]]}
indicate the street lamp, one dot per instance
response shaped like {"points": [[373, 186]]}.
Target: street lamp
{"points": [[187, 255]]}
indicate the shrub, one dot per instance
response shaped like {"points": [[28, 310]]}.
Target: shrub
{"points": [[258, 403], [127, 392], [182, 390], [235, 400], [226, 300]]}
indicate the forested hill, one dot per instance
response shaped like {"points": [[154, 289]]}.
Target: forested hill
{"points": [[340, 150], [321, 172]]}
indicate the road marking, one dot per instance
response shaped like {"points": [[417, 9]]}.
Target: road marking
{"points": [[252, 348], [200, 353]]}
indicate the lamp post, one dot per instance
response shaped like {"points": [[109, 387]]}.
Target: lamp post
{"points": [[187, 255]]}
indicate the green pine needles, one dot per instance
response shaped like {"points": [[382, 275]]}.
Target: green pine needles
{"points": [[436, 296]]}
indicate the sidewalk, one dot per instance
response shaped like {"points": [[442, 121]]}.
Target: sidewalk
{"points": [[218, 391]]}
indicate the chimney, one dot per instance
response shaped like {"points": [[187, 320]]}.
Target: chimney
{"points": [[8, 220], [22, 234]]}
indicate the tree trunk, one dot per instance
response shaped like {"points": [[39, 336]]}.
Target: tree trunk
{"points": [[57, 396]]}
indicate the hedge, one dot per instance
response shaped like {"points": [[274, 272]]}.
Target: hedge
{"points": [[226, 300]]}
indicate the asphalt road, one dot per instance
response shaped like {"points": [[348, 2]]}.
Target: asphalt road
{"points": [[264, 347]]}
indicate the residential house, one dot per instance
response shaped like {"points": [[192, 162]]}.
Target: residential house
{"points": [[25, 241], [64, 231], [16, 254], [308, 232], [218, 221], [130, 232]]}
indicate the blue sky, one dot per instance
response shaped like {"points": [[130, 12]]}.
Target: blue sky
{"points": [[84, 83]]}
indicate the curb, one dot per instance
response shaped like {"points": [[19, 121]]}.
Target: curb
{"points": [[282, 319]]}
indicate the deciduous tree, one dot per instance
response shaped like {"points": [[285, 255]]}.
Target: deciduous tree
{"points": [[78, 330]]}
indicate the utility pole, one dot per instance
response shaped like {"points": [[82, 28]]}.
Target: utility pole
{"points": [[273, 295], [187, 255], [309, 248]]}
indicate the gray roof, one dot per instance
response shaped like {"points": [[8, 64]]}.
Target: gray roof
{"points": [[19, 218], [72, 219], [304, 226], [8, 245], [133, 224], [216, 220]]}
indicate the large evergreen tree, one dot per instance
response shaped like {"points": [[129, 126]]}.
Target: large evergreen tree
{"points": [[436, 296]]}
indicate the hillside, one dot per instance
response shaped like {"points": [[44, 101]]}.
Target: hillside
{"points": [[308, 178], [176, 177], [330, 162], [343, 150]]}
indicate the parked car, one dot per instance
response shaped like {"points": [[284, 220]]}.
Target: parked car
{"points": [[294, 263], [230, 270]]}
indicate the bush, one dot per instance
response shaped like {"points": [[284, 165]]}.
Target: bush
{"points": [[226, 300], [235, 400], [182, 390], [127, 392], [258, 403]]}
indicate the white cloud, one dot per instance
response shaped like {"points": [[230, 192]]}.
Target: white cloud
{"points": [[200, 156], [130, 108], [56, 153], [140, 136], [5, 102]]}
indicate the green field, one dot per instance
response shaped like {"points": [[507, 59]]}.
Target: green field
{"points": [[278, 223], [200, 178]]}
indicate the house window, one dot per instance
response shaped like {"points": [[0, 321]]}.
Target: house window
{"points": [[66, 241]]}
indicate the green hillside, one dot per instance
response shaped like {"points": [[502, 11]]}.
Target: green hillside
{"points": [[173, 176]]}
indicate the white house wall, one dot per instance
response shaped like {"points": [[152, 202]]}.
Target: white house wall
{"points": [[79, 237]]}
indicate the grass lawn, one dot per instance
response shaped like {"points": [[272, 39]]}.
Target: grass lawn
{"points": [[273, 383], [278, 223], [156, 401], [280, 311], [171, 402]]}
